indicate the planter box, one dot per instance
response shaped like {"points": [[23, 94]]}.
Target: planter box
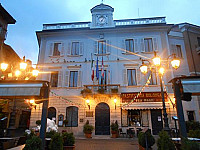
{"points": [[88, 135], [69, 147]]}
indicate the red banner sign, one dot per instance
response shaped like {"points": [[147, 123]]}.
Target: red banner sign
{"points": [[143, 97]]}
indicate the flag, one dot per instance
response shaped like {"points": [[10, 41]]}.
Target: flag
{"points": [[97, 69], [102, 71], [92, 68]]}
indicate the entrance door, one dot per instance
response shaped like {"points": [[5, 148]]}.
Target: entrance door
{"points": [[102, 119], [156, 120]]}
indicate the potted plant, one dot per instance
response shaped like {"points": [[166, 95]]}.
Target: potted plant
{"points": [[164, 141], [114, 129], [142, 137], [114, 90], [87, 129], [86, 91], [68, 141], [33, 143], [56, 142]]}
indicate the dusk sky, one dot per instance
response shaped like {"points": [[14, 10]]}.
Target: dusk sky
{"points": [[32, 14]]}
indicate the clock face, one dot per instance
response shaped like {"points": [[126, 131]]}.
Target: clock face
{"points": [[102, 20]]}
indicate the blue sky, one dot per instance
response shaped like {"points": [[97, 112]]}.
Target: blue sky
{"points": [[32, 14]]}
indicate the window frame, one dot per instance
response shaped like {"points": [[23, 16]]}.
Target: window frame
{"points": [[76, 51], [73, 109], [131, 76], [101, 47], [56, 51], [74, 84], [149, 45], [129, 49]]}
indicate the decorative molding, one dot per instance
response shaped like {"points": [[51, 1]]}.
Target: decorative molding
{"points": [[55, 68], [73, 67], [131, 65]]}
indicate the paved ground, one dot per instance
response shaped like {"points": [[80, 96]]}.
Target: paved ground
{"points": [[107, 144]]}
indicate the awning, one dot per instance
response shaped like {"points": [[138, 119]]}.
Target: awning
{"points": [[154, 105]]}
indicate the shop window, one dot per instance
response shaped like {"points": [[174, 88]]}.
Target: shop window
{"points": [[102, 47], [73, 78], [131, 74], [190, 115], [148, 44], [72, 116], [129, 45], [54, 79], [134, 118], [57, 49], [75, 48]]}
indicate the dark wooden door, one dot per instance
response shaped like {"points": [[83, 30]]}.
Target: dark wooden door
{"points": [[102, 119], [157, 121]]}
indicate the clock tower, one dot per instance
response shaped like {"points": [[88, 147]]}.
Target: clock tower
{"points": [[102, 16]]}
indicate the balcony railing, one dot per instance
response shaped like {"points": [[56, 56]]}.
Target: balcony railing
{"points": [[101, 89]]}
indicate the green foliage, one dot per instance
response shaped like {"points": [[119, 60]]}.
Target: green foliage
{"points": [[192, 125], [56, 142], [33, 143], [87, 128], [50, 134], [29, 136], [38, 122], [164, 142], [142, 141], [194, 133], [101, 90], [68, 139], [114, 90], [86, 90], [190, 145], [114, 126]]}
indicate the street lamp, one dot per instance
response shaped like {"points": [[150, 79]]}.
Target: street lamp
{"points": [[115, 101], [157, 64]]}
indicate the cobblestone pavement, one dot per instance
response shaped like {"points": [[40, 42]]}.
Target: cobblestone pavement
{"points": [[107, 144]]}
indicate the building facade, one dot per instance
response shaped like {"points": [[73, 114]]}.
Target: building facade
{"points": [[94, 70]]}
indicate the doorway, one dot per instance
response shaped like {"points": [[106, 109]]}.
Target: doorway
{"points": [[157, 121], [102, 119]]}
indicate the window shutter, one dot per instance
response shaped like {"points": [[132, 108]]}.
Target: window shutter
{"points": [[108, 47], [60, 75], [123, 50], [81, 48], [124, 76], [66, 78], [50, 49], [95, 47], [62, 49], [79, 78], [69, 49], [155, 44], [142, 48], [173, 49], [136, 50]]}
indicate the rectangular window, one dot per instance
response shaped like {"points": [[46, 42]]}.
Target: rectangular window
{"points": [[134, 118], [73, 78], [178, 51], [153, 80], [54, 79], [57, 49], [129, 45], [190, 115], [75, 48], [198, 40], [148, 44], [102, 47], [131, 74]]}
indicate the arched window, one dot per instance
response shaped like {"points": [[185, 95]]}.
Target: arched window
{"points": [[72, 116], [52, 113]]}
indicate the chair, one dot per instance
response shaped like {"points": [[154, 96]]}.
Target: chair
{"points": [[121, 132]]}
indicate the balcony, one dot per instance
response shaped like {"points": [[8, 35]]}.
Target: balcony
{"points": [[3, 33], [109, 89]]}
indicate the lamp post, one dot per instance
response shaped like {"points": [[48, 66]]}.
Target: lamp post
{"points": [[157, 64]]}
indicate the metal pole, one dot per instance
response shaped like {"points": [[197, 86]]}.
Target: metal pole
{"points": [[44, 116], [179, 108], [166, 124]]}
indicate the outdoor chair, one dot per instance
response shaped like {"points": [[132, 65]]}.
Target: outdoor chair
{"points": [[121, 132]]}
